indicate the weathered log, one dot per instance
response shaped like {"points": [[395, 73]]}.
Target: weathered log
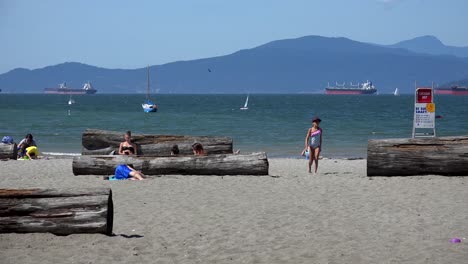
{"points": [[220, 164], [418, 156], [103, 142], [57, 211], [8, 151]]}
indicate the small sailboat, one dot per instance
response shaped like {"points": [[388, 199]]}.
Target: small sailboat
{"points": [[245, 107], [148, 105], [396, 92], [71, 101]]}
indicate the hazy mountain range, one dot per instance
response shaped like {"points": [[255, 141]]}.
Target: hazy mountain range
{"points": [[431, 45], [301, 65]]}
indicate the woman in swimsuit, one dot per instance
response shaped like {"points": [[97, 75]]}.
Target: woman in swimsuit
{"points": [[127, 147], [313, 142]]}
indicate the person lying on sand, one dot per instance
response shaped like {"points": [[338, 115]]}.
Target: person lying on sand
{"points": [[126, 172]]}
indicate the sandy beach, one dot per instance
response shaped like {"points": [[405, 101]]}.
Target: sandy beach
{"points": [[337, 216]]}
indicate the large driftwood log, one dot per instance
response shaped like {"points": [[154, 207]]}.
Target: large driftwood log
{"points": [[220, 164], [8, 151], [57, 211], [103, 142], [418, 156]]}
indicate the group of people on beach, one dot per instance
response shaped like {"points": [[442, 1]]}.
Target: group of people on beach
{"points": [[312, 148], [127, 147], [26, 148]]}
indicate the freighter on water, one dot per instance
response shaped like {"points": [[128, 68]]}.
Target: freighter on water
{"points": [[364, 88], [454, 90], [63, 89]]}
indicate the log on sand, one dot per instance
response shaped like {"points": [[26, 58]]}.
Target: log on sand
{"points": [[103, 142], [220, 164], [8, 151], [418, 156], [57, 211]]}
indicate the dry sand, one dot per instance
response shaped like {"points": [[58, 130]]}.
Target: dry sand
{"points": [[337, 216]]}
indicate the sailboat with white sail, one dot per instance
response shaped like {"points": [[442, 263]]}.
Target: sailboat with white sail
{"points": [[246, 104], [71, 101], [396, 92], [148, 105]]}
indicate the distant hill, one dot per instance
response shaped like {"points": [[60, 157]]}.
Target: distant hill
{"points": [[302, 65], [431, 45]]}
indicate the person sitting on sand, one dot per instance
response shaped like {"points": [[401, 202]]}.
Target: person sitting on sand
{"points": [[198, 149], [175, 150], [25, 143], [124, 172], [313, 143], [127, 147]]}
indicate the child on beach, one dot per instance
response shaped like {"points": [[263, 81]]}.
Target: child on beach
{"points": [[313, 143], [32, 152]]}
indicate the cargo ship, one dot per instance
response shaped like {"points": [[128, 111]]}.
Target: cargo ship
{"points": [[454, 90], [364, 88], [63, 89]]}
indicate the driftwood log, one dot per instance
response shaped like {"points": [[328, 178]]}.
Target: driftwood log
{"points": [[418, 156], [57, 211], [103, 142], [220, 164], [8, 151]]}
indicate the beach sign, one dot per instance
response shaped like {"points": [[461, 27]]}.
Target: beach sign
{"points": [[424, 113]]}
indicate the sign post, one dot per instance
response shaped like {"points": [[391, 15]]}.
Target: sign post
{"points": [[424, 113]]}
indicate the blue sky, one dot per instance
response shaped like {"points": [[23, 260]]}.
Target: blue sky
{"points": [[133, 34]]}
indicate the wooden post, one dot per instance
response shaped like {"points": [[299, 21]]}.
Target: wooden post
{"points": [[418, 156], [57, 211], [8, 151], [221, 164], [103, 142]]}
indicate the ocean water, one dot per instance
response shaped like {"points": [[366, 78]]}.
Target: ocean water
{"points": [[276, 124]]}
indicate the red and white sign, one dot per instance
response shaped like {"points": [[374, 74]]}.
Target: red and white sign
{"points": [[424, 95]]}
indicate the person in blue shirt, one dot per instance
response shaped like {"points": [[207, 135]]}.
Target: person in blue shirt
{"points": [[126, 172]]}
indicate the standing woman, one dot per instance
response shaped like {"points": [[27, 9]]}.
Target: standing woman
{"points": [[313, 142], [127, 147]]}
